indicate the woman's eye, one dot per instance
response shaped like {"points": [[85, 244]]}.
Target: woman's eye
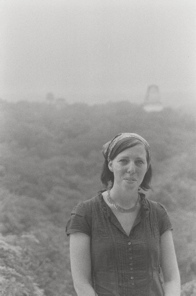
{"points": [[123, 160], [139, 162]]}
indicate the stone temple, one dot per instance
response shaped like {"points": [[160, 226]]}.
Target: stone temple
{"points": [[152, 101]]}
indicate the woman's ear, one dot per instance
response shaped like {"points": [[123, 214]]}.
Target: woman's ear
{"points": [[110, 166]]}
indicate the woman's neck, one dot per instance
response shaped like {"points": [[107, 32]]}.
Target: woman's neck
{"points": [[124, 198]]}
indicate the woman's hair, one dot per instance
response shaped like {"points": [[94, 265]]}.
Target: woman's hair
{"points": [[107, 177]]}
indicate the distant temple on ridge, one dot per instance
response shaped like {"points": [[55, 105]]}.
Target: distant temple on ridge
{"points": [[152, 101]]}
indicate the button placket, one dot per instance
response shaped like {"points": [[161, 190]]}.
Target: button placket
{"points": [[130, 258]]}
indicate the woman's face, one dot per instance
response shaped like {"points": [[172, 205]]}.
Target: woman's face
{"points": [[129, 167]]}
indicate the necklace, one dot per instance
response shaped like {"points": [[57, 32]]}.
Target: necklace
{"points": [[120, 209]]}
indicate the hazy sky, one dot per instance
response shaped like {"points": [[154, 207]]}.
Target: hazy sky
{"points": [[96, 46]]}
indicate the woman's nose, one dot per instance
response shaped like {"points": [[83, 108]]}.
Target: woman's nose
{"points": [[131, 167]]}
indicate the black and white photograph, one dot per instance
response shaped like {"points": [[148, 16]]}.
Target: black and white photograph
{"points": [[97, 147]]}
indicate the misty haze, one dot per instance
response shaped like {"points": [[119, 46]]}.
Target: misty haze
{"points": [[98, 51]]}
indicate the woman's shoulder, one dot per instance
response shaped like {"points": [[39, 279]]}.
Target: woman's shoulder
{"points": [[85, 206], [155, 205], [81, 216], [159, 207], [156, 208], [160, 210]]}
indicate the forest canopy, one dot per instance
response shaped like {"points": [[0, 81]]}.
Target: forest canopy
{"points": [[51, 159]]}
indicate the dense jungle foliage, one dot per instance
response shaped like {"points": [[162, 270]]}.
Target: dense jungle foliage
{"points": [[51, 159]]}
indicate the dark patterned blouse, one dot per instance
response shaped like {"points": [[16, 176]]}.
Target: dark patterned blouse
{"points": [[123, 265]]}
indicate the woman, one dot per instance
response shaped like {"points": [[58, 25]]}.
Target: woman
{"points": [[120, 242]]}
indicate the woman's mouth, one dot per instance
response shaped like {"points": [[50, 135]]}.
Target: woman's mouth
{"points": [[130, 180]]}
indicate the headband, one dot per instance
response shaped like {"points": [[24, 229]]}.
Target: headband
{"points": [[108, 147]]}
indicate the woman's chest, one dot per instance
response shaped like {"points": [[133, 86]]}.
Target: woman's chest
{"points": [[124, 235], [112, 248], [127, 220]]}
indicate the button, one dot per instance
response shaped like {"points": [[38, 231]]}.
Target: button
{"points": [[132, 277], [129, 243]]}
